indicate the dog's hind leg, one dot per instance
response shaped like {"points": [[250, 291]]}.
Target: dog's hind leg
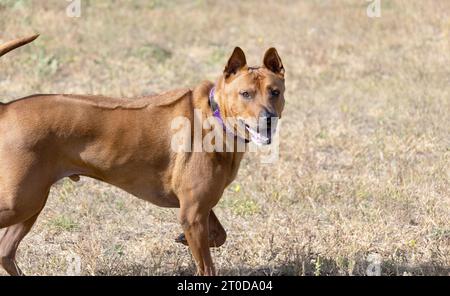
{"points": [[18, 212], [9, 242]]}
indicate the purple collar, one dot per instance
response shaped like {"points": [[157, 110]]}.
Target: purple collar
{"points": [[216, 113]]}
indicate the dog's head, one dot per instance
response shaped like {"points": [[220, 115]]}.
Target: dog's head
{"points": [[253, 96]]}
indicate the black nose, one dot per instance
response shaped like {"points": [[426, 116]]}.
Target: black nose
{"points": [[267, 114], [265, 118]]}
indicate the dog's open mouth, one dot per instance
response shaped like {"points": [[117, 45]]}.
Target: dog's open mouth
{"points": [[260, 136]]}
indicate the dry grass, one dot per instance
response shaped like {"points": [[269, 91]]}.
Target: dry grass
{"points": [[365, 150]]}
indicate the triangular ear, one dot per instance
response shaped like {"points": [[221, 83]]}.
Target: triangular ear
{"points": [[272, 61], [236, 62]]}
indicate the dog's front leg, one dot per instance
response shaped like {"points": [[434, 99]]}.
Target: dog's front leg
{"points": [[217, 234], [194, 220]]}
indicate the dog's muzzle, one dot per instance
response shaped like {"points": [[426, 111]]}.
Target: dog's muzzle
{"points": [[266, 127]]}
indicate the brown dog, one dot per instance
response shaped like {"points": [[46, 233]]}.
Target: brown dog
{"points": [[127, 143]]}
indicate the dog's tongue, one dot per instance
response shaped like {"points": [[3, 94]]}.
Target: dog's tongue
{"points": [[257, 138]]}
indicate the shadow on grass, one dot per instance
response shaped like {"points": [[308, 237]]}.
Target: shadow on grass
{"points": [[309, 266], [331, 268]]}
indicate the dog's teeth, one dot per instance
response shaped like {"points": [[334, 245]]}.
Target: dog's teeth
{"points": [[257, 138]]}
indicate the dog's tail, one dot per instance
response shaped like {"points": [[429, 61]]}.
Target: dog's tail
{"points": [[11, 45], [7, 47]]}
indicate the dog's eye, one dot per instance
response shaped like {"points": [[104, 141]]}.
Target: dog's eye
{"points": [[245, 94], [274, 92]]}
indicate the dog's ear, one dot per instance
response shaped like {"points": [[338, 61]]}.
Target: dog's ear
{"points": [[236, 62], [272, 61]]}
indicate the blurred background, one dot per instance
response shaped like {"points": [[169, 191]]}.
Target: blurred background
{"points": [[362, 182]]}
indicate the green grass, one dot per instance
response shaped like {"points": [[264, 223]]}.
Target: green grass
{"points": [[63, 223]]}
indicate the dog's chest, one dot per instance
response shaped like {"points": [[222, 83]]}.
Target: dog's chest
{"points": [[230, 163]]}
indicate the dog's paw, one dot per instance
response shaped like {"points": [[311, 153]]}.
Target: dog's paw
{"points": [[182, 239], [74, 178]]}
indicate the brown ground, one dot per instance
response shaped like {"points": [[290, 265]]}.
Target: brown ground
{"points": [[365, 141]]}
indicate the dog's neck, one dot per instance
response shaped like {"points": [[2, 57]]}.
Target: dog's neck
{"points": [[201, 101], [215, 108]]}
